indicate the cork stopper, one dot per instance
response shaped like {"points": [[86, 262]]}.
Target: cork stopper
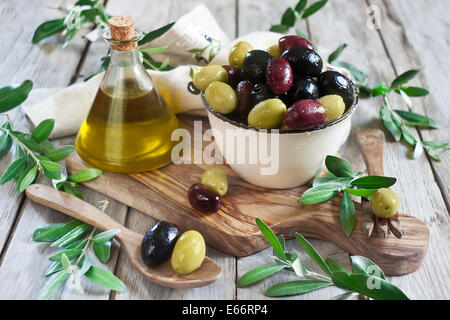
{"points": [[122, 29]]}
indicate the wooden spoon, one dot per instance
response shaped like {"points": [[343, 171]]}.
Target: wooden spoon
{"points": [[129, 240]]}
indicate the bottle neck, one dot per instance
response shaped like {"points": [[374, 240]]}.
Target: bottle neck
{"points": [[125, 58]]}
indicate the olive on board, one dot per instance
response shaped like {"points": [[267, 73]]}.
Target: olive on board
{"points": [[279, 75], [189, 252], [287, 42], [305, 114], [221, 97], [255, 64], [274, 51], [303, 87], [158, 243], [334, 104], [238, 53], [209, 74], [267, 114], [234, 75], [332, 82], [384, 203], [216, 180], [244, 90], [259, 93], [304, 61], [203, 199]]}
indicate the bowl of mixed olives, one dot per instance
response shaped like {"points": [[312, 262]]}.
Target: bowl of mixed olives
{"points": [[291, 109]]}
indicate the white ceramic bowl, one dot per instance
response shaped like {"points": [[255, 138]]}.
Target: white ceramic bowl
{"points": [[301, 152]]}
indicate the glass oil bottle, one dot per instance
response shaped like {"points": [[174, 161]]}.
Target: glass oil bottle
{"points": [[129, 126]]}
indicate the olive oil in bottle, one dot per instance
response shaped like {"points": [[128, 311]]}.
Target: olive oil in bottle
{"points": [[129, 126]]}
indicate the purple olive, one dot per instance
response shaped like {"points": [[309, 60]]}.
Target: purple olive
{"points": [[203, 199], [305, 114], [293, 41], [244, 89], [279, 76], [234, 75]]}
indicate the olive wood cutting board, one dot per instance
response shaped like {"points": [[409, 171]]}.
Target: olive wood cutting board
{"points": [[233, 230]]}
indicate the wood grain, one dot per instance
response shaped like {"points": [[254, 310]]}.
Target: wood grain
{"points": [[233, 230], [416, 185]]}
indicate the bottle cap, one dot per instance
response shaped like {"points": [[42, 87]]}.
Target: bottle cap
{"points": [[121, 28]]}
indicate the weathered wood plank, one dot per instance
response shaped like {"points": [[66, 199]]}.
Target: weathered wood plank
{"points": [[43, 64], [139, 288], [416, 184], [421, 41], [23, 280], [22, 60], [259, 16]]}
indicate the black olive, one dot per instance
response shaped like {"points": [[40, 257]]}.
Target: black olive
{"points": [[255, 65], [304, 61], [332, 82], [158, 243], [260, 92], [304, 87]]}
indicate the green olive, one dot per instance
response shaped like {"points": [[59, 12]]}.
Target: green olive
{"points": [[384, 203], [334, 104], [208, 74], [188, 253], [221, 97], [267, 114], [238, 53], [216, 180], [274, 51]]}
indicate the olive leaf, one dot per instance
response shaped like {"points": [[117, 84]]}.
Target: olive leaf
{"points": [[105, 236], [381, 89], [363, 265], [387, 118], [404, 78], [70, 254], [13, 170], [289, 18], [43, 130], [102, 250], [380, 289], [347, 214], [316, 6], [419, 119], [319, 194], [336, 53], [374, 182], [52, 284], [296, 287], [339, 167], [5, 140], [86, 174], [413, 91], [312, 253], [12, 96], [28, 179], [258, 274], [152, 35], [105, 279], [360, 192], [48, 29], [334, 266], [72, 236], [300, 6], [270, 237], [54, 231]]}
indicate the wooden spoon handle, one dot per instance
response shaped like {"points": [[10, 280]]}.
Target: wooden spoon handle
{"points": [[371, 144], [75, 208]]}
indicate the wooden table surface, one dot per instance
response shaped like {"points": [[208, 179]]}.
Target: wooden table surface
{"points": [[413, 34]]}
